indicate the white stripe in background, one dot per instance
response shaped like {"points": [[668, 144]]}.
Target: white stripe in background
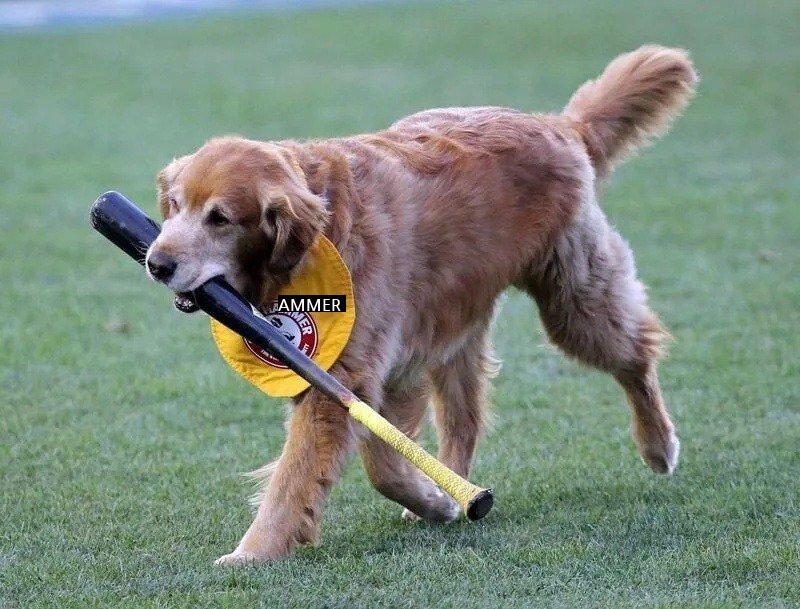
{"points": [[49, 13]]}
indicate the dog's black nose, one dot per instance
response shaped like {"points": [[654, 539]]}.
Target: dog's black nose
{"points": [[161, 266]]}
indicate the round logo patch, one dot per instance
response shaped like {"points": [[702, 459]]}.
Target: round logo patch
{"points": [[297, 327]]}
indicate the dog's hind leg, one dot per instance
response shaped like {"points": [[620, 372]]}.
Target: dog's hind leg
{"points": [[460, 401], [391, 474], [595, 309], [460, 404]]}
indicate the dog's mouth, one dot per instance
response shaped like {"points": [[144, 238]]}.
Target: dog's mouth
{"points": [[184, 302]]}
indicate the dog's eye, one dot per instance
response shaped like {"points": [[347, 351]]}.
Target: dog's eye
{"points": [[173, 203], [217, 218]]}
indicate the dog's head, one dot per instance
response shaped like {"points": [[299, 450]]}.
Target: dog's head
{"points": [[237, 208]]}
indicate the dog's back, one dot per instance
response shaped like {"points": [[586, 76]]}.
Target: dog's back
{"points": [[634, 99]]}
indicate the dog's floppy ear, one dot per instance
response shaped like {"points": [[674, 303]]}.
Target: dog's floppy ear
{"points": [[292, 217], [164, 181], [328, 174]]}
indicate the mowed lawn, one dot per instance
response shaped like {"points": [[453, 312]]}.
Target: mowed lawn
{"points": [[123, 434]]}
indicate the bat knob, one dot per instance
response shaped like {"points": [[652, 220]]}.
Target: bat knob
{"points": [[480, 505]]}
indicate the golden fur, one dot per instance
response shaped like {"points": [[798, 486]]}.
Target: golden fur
{"points": [[435, 217]]}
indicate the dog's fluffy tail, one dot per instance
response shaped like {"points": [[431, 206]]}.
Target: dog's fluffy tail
{"points": [[634, 99]]}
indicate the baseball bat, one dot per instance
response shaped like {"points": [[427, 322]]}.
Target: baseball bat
{"points": [[129, 228]]}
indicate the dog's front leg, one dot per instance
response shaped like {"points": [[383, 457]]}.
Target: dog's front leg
{"points": [[319, 438]]}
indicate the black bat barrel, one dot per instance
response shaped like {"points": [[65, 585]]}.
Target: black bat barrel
{"points": [[124, 224]]}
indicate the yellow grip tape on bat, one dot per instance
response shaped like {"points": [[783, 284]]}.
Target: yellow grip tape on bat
{"points": [[321, 335], [460, 489]]}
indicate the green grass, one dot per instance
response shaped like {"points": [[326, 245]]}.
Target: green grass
{"points": [[120, 450]]}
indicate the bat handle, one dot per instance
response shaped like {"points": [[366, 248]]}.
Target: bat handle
{"points": [[474, 500]]}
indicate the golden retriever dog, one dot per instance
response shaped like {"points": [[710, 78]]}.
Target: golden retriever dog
{"points": [[435, 217]]}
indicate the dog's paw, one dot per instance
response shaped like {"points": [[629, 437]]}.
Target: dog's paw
{"points": [[440, 508], [238, 558], [409, 516], [661, 456], [451, 512]]}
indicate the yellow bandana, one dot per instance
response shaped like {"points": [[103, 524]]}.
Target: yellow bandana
{"points": [[321, 335]]}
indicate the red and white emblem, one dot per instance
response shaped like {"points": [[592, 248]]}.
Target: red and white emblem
{"points": [[297, 327]]}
